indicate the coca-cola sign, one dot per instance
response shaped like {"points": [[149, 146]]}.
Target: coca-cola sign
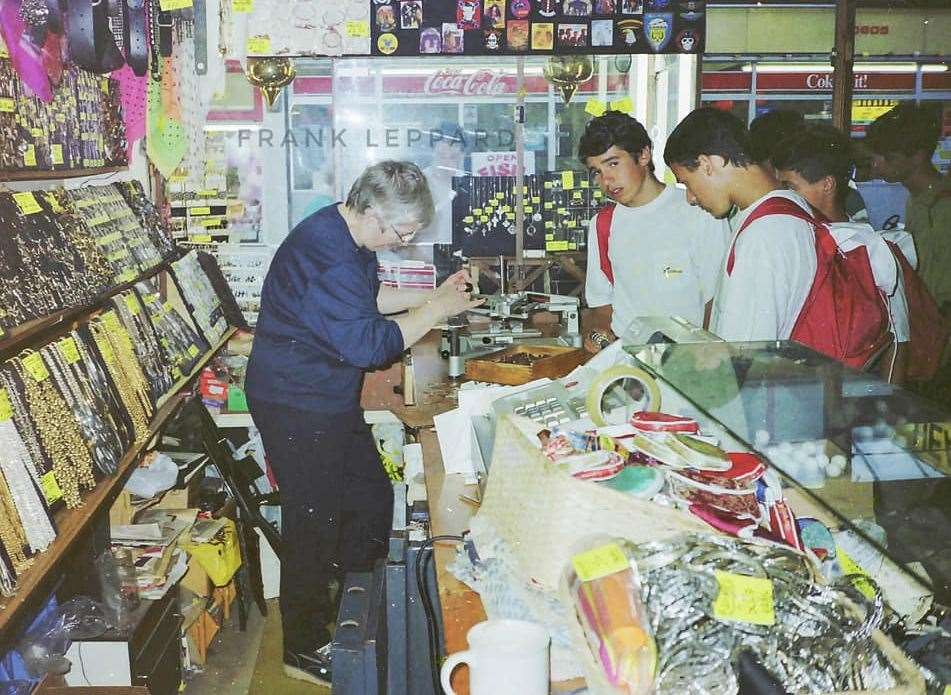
{"points": [[453, 81]]}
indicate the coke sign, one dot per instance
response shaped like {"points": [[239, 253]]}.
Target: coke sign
{"points": [[823, 80], [453, 81]]}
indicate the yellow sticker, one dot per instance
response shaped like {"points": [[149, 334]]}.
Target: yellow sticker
{"points": [[126, 276], [7, 105], [549, 237], [215, 222], [576, 195], [600, 562], [536, 200], [27, 203], [56, 154], [208, 193], [150, 298], [168, 306], [133, 303], [571, 224], [567, 180], [358, 29], [177, 373], [69, 350], [745, 599], [585, 183], [29, 157], [200, 211], [556, 246], [169, 5], [259, 45], [242, 6], [193, 351], [37, 132], [387, 43], [50, 488], [104, 83], [850, 566], [33, 363], [200, 238], [947, 690], [6, 410]]}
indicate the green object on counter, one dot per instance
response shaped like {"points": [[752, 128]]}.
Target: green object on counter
{"points": [[640, 481], [237, 401]]}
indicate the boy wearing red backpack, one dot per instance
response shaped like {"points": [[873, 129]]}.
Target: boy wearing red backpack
{"points": [[787, 276], [651, 253]]}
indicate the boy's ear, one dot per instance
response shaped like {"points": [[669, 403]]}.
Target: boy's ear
{"points": [[829, 184], [644, 158], [706, 164]]}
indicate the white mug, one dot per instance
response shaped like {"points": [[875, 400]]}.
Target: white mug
{"points": [[505, 657]]}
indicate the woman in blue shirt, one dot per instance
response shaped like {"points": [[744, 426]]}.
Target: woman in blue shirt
{"points": [[324, 321]]}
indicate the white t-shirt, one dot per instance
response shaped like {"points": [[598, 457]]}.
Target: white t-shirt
{"points": [[773, 271], [665, 256]]}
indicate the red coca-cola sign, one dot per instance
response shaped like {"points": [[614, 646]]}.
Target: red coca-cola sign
{"points": [[479, 83]]}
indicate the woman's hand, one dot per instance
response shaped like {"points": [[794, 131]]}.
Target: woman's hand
{"points": [[457, 282], [454, 296]]}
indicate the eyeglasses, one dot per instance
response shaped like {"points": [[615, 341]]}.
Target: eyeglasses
{"points": [[404, 237]]}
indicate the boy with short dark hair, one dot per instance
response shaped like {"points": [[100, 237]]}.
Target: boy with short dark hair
{"points": [[654, 254], [904, 140], [772, 264]]}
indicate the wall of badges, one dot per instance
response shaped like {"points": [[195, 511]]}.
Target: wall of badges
{"points": [[536, 27]]}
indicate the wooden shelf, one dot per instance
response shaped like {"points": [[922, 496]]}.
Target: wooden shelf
{"points": [[25, 331], [48, 174], [72, 523]]}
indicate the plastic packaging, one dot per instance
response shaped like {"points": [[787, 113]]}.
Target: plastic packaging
{"points": [[120, 590], [604, 586], [44, 646]]}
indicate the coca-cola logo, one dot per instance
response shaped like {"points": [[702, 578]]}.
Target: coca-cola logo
{"points": [[478, 83], [824, 81]]}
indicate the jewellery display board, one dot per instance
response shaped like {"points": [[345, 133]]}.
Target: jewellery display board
{"points": [[63, 249], [200, 297], [80, 129], [556, 207]]}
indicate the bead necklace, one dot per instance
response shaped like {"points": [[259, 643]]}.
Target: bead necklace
{"points": [[122, 378], [15, 466], [40, 463]]}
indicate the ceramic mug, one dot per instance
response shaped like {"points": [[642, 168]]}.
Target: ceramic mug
{"points": [[504, 657]]}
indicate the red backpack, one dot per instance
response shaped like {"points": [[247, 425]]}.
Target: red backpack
{"points": [[845, 315], [602, 224]]}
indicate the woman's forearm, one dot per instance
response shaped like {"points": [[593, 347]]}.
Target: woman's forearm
{"points": [[391, 300]]}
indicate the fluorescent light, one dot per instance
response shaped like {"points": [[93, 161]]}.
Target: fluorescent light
{"points": [[859, 67]]}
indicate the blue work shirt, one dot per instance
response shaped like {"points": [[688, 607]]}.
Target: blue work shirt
{"points": [[319, 328]]}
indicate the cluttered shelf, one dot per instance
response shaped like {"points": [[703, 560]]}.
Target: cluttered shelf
{"points": [[36, 327], [72, 523]]}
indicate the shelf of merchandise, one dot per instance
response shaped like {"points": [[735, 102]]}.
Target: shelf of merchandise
{"points": [[54, 174], [72, 523]]}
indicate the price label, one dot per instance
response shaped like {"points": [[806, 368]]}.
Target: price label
{"points": [[242, 6], [744, 599], [171, 5], [567, 180], [56, 154], [29, 157], [208, 193], [571, 224], [585, 183], [133, 303], [126, 275], [200, 211], [6, 410], [536, 200], [168, 306], [33, 363], [150, 299], [600, 562], [193, 351], [177, 373], [27, 203], [358, 29], [556, 246], [36, 132], [104, 83], [468, 219], [576, 195], [69, 350], [850, 566], [7, 105], [259, 45], [200, 238], [50, 487]]}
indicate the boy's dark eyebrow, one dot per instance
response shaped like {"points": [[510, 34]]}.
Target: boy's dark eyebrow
{"points": [[612, 158]]}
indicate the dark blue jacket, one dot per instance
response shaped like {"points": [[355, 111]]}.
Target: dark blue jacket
{"points": [[319, 329]]}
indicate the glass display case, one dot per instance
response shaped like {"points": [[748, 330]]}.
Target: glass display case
{"points": [[872, 455]]}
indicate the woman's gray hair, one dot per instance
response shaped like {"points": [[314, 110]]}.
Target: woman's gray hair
{"points": [[397, 189]]}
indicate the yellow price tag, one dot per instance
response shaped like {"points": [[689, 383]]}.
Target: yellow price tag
{"points": [[169, 5], [556, 246], [208, 193], [8, 105], [168, 306], [177, 373], [27, 203], [69, 350], [358, 29], [33, 363], [585, 183], [745, 599], [567, 180], [549, 237], [133, 303], [571, 224], [199, 211], [600, 562], [193, 351], [242, 6], [50, 488], [6, 410], [36, 132], [126, 275], [850, 566], [536, 200], [56, 154], [29, 157], [259, 45], [200, 238], [104, 83]]}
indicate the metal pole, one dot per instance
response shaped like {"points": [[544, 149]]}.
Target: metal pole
{"points": [[843, 60]]}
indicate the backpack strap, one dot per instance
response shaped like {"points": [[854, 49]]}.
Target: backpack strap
{"points": [[778, 205], [602, 224]]}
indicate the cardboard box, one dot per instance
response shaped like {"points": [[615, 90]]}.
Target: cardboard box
{"points": [[122, 511], [196, 580], [181, 498]]}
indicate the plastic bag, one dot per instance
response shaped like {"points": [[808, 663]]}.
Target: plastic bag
{"points": [[44, 646], [158, 476], [604, 587], [220, 557]]}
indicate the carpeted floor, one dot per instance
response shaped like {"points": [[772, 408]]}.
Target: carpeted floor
{"points": [[268, 677]]}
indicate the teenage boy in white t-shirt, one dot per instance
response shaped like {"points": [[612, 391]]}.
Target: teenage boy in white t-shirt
{"points": [[665, 255], [775, 257]]}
